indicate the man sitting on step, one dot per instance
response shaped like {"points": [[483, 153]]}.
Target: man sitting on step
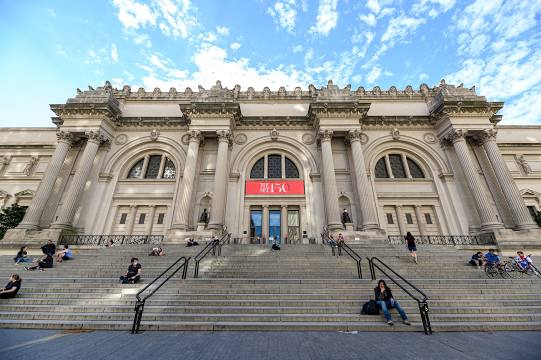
{"points": [[133, 274], [49, 248], [12, 287]]}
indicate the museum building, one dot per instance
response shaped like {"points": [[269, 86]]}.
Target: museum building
{"points": [[279, 165]]}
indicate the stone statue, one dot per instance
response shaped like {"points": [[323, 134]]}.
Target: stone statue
{"points": [[204, 218], [345, 217], [30, 165], [524, 164]]}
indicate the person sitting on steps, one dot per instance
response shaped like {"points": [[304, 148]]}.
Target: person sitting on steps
{"points": [[192, 242], [477, 259], [410, 241], [133, 274], [46, 262], [21, 256], [491, 258], [384, 299], [49, 248], [12, 287], [65, 254], [157, 251]]}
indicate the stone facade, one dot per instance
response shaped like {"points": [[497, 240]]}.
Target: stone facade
{"points": [[430, 161]]}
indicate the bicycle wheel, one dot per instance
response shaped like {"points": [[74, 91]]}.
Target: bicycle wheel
{"points": [[512, 270], [491, 271], [535, 271], [502, 272]]}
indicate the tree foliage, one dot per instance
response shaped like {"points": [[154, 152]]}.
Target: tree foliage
{"points": [[10, 217]]}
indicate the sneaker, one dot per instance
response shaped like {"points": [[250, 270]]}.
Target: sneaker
{"points": [[26, 268], [390, 322], [406, 322]]}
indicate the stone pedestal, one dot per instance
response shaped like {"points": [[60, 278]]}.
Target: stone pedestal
{"points": [[201, 226], [349, 226]]}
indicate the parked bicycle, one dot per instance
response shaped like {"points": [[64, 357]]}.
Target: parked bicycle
{"points": [[516, 270], [494, 269]]}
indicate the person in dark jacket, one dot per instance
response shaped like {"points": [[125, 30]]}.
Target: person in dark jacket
{"points": [[22, 256], [49, 248], [12, 287], [46, 262], [410, 241], [133, 274], [384, 299], [477, 260]]}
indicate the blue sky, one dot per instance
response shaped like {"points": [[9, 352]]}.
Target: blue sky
{"points": [[50, 48]]}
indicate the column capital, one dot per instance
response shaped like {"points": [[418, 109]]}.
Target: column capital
{"points": [[325, 135], [488, 135], [453, 136], [97, 137], [354, 135], [264, 206], [398, 206], [284, 206], [195, 136], [224, 136], [65, 137], [417, 206]]}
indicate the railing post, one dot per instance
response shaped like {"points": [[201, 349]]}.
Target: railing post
{"points": [[372, 271], [196, 269], [423, 309], [185, 270], [359, 270], [139, 307]]}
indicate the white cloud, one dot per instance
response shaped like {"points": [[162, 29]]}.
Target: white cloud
{"points": [[284, 13], [327, 17], [60, 50], [235, 46], [297, 48], [133, 14], [222, 30], [523, 110], [373, 75], [399, 28], [373, 5], [114, 53], [51, 12], [423, 77], [369, 19], [432, 7]]}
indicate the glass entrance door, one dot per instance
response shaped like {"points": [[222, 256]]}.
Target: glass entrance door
{"points": [[256, 222], [274, 226]]}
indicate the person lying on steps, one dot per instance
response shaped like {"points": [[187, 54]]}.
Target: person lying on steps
{"points": [[384, 299]]}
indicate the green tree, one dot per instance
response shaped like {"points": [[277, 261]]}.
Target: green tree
{"points": [[10, 217]]}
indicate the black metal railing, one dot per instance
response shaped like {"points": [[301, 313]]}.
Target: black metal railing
{"points": [[181, 264], [422, 300], [480, 239], [112, 240], [342, 246], [214, 247]]}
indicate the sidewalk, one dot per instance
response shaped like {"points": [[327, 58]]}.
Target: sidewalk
{"points": [[50, 344]]}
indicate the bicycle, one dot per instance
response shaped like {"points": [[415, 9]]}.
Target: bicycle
{"points": [[494, 269], [515, 271]]}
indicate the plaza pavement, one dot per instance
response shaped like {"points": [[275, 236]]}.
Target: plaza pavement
{"points": [[51, 344]]}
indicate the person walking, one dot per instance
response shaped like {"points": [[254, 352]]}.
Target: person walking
{"points": [[410, 241]]}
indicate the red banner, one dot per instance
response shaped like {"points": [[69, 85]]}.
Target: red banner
{"points": [[274, 187]]}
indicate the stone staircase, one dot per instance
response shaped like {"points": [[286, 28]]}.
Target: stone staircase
{"points": [[301, 287]]}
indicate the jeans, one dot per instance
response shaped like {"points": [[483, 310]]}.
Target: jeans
{"points": [[384, 307], [24, 260]]}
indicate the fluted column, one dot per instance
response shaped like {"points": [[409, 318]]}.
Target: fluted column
{"points": [[45, 188], [265, 223], [283, 224], [368, 211], [150, 223], [184, 198], [420, 220], [486, 211], [331, 194], [220, 181], [131, 219], [400, 219], [79, 180], [520, 212]]}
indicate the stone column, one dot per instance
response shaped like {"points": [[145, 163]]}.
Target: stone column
{"points": [[400, 219], [265, 223], [111, 222], [283, 224], [184, 198], [420, 220], [521, 215], [220, 180], [131, 220], [150, 223], [486, 211], [45, 188], [331, 194], [437, 220], [71, 201], [368, 211]]}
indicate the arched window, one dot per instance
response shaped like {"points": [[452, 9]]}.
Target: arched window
{"points": [[277, 167], [399, 167], [155, 166]]}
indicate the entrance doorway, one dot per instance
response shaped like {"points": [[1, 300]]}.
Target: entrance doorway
{"points": [[274, 227]]}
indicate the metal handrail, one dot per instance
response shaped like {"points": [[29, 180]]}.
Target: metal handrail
{"points": [[422, 301], [140, 303], [342, 245], [211, 247]]}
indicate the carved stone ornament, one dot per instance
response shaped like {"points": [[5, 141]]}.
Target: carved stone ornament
{"points": [[308, 139], [282, 92], [429, 138], [121, 139], [154, 134], [224, 135], [274, 134], [325, 135], [185, 139], [30, 165], [395, 133], [523, 164], [94, 136], [4, 160], [195, 136], [241, 139], [64, 136], [266, 93], [297, 92], [354, 135]]}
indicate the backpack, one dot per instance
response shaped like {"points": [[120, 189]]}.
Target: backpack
{"points": [[370, 308]]}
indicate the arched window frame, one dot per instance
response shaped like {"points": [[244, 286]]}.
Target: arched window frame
{"points": [[283, 165], [146, 157], [404, 157]]}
